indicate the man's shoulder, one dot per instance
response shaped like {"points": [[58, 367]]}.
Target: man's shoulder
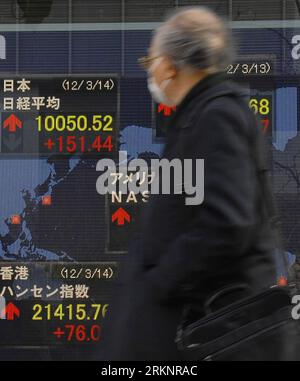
{"points": [[228, 99], [225, 103], [225, 111], [226, 93]]}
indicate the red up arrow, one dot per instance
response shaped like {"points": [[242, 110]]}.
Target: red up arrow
{"points": [[11, 311], [165, 109], [120, 215], [12, 122]]}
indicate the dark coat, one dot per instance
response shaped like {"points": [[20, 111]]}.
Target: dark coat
{"points": [[185, 253]]}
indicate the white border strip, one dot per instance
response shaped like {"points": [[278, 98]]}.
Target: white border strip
{"points": [[279, 24]]}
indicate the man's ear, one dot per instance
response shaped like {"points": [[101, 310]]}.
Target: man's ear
{"points": [[170, 69]]}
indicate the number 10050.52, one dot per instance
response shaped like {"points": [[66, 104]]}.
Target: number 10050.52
{"points": [[71, 123]]}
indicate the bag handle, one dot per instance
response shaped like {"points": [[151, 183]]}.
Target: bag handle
{"points": [[180, 337], [222, 292]]}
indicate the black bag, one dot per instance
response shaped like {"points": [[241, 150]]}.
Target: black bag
{"points": [[246, 330], [249, 328]]}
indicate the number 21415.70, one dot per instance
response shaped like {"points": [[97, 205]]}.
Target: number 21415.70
{"points": [[69, 311]]}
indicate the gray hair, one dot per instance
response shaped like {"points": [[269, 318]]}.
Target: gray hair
{"points": [[195, 38]]}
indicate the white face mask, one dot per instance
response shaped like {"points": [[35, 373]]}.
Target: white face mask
{"points": [[156, 91]]}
